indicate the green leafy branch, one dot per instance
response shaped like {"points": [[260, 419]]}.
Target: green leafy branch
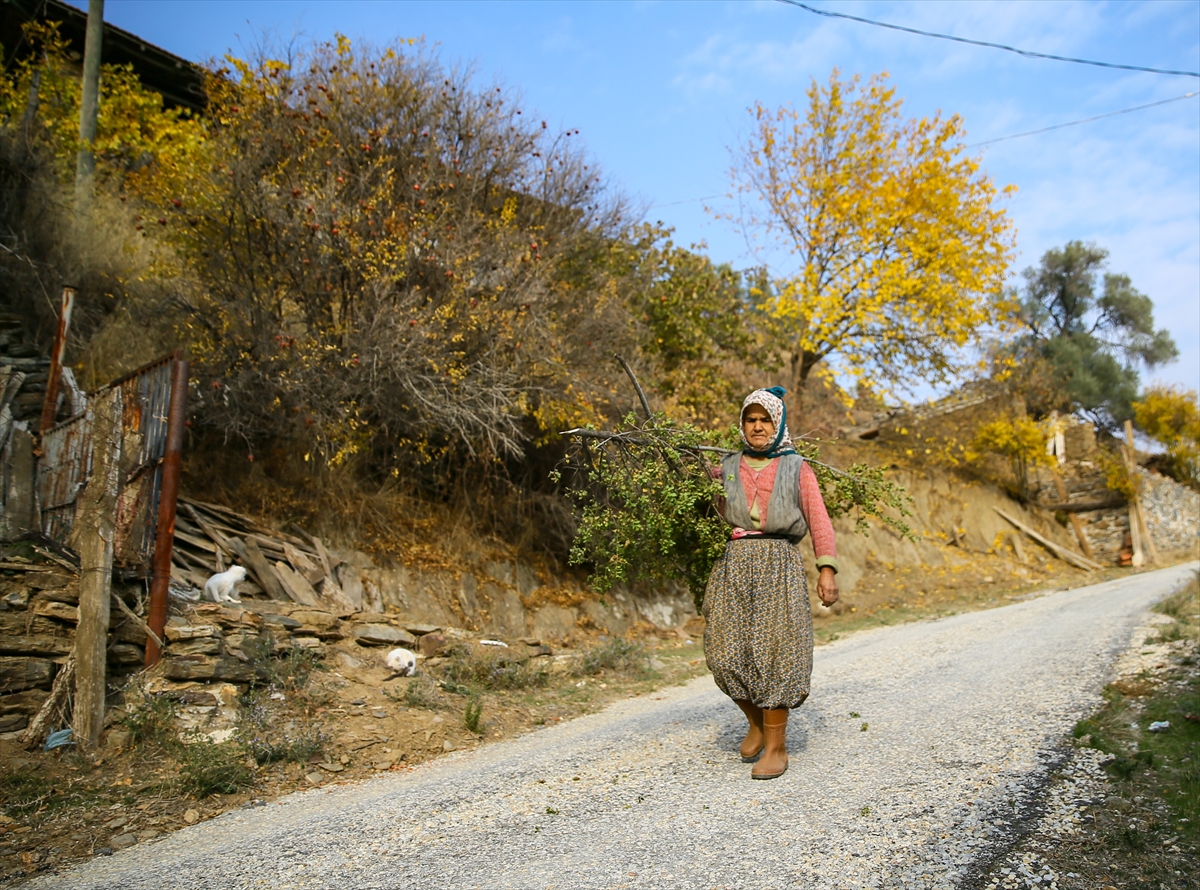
{"points": [[646, 496]]}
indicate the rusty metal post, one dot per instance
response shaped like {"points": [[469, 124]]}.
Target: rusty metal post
{"points": [[168, 494], [50, 406]]}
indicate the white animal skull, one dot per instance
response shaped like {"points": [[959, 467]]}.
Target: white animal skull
{"points": [[401, 662]]}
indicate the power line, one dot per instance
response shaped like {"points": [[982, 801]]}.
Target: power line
{"points": [[1086, 120], [685, 201], [1011, 49]]}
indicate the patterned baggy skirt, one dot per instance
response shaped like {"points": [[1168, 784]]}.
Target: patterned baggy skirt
{"points": [[758, 638]]}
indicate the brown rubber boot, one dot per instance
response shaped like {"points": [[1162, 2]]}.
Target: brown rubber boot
{"points": [[753, 742], [774, 761]]}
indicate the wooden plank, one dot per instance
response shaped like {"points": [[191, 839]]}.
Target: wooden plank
{"points": [[301, 563], [255, 562], [198, 543], [54, 557], [249, 525], [215, 508], [129, 613], [18, 518], [299, 588], [351, 584], [221, 544], [95, 521], [1062, 552], [52, 708], [1084, 506], [1061, 487], [1139, 529], [183, 557], [25, 566], [187, 577], [218, 539], [339, 602], [60, 611], [323, 555], [278, 545]]}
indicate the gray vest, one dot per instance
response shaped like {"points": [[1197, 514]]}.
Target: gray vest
{"points": [[784, 516]]}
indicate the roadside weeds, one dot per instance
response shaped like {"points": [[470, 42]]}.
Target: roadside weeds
{"points": [[1124, 811]]}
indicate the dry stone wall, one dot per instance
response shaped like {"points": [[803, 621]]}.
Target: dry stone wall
{"points": [[1172, 512], [515, 600]]}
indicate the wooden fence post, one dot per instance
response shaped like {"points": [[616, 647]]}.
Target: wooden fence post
{"points": [[1139, 531], [95, 522]]}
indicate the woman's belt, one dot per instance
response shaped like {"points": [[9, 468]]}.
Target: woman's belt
{"points": [[767, 536]]}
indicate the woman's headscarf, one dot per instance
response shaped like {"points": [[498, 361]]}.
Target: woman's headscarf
{"points": [[772, 400]]}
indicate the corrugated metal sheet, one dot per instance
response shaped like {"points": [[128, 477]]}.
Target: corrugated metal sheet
{"points": [[65, 464]]}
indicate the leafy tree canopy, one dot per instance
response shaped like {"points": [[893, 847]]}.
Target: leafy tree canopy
{"points": [[1087, 337], [1172, 417], [898, 246]]}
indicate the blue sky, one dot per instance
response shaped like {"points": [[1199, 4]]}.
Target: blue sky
{"points": [[659, 92]]}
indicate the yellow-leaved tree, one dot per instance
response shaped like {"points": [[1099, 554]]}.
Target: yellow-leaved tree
{"points": [[896, 248], [142, 148], [1172, 416]]}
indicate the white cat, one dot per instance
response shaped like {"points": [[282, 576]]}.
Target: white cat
{"points": [[222, 588]]}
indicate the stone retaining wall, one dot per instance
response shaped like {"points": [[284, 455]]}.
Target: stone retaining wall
{"points": [[1172, 512]]}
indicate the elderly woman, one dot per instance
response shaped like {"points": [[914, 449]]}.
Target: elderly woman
{"points": [[759, 637]]}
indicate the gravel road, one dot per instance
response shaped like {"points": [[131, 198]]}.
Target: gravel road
{"points": [[919, 757]]}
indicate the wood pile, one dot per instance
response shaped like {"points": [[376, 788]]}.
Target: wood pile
{"points": [[279, 566], [24, 376]]}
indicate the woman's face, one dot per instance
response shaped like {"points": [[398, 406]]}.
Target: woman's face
{"points": [[758, 427]]}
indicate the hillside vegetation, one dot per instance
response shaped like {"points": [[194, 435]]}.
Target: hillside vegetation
{"points": [[396, 284]]}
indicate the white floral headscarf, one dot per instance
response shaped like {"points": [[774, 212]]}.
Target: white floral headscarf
{"points": [[772, 400]]}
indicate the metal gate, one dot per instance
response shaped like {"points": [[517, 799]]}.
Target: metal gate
{"points": [[64, 465]]}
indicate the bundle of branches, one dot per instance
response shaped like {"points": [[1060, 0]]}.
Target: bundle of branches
{"points": [[647, 494]]}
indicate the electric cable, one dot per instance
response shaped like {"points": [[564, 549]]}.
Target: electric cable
{"points": [[1086, 120], [685, 201], [1011, 49]]}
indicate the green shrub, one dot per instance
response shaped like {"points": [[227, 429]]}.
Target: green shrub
{"points": [[1121, 766], [23, 792], [479, 667], [419, 692], [473, 714], [616, 654], [150, 717], [288, 670], [269, 734], [208, 767]]}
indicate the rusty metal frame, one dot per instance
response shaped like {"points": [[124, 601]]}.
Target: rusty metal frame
{"points": [[168, 496], [50, 403], [64, 463]]}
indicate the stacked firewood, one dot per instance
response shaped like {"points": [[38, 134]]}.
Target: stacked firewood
{"points": [[279, 566], [24, 374]]}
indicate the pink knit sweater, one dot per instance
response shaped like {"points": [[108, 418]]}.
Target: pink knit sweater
{"points": [[758, 485]]}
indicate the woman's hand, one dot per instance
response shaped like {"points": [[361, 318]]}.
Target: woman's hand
{"points": [[827, 588]]}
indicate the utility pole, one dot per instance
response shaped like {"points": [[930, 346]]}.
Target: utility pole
{"points": [[89, 107]]}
